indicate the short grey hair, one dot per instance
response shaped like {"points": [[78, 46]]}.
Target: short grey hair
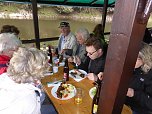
{"points": [[27, 65], [84, 33], [146, 55], [8, 41]]}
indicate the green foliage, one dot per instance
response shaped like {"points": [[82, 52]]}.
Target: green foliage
{"points": [[64, 10], [46, 11], [9, 8]]}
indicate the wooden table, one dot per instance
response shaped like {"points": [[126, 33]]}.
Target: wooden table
{"points": [[68, 106]]}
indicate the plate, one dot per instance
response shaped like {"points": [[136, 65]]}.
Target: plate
{"points": [[77, 78], [92, 92], [70, 95]]}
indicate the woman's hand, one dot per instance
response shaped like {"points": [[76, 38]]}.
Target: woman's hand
{"points": [[130, 92]]}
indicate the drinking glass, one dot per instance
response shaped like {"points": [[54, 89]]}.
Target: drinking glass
{"points": [[78, 96], [55, 69]]}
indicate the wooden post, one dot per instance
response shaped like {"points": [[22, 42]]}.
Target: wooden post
{"points": [[36, 23], [126, 35]]}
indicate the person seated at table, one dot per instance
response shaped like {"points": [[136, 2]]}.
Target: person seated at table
{"points": [[98, 32], [82, 35], [10, 29], [139, 94], [8, 44], [18, 93], [67, 41], [96, 58]]}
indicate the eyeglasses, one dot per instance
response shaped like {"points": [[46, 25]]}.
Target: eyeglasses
{"points": [[92, 52]]}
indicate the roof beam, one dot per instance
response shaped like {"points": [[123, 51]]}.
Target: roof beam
{"points": [[65, 1], [93, 2], [104, 15]]}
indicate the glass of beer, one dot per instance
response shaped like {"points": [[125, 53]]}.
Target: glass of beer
{"points": [[78, 96]]}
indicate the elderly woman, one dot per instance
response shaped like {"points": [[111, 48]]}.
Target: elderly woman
{"points": [[18, 94], [139, 95], [8, 44], [82, 35]]}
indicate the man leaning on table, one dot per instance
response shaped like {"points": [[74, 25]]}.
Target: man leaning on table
{"points": [[67, 40], [96, 58]]}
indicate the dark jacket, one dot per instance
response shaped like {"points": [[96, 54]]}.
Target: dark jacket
{"points": [[93, 66], [141, 102]]}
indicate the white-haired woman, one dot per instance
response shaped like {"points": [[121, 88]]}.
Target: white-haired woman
{"points": [[139, 95], [18, 95], [8, 44]]}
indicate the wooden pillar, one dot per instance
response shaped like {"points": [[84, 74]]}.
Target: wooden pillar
{"points": [[36, 23], [126, 35]]}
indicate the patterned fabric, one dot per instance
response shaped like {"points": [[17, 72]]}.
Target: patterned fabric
{"points": [[4, 61]]}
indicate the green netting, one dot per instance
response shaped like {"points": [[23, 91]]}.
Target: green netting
{"points": [[102, 2], [90, 3], [52, 0], [80, 1]]}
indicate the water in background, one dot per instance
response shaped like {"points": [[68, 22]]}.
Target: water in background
{"points": [[49, 28]]}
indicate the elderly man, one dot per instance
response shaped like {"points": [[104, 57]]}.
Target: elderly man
{"points": [[82, 35], [8, 44], [67, 41]]}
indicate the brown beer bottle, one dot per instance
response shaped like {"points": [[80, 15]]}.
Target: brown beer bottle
{"points": [[66, 71], [50, 55], [96, 97], [60, 58]]}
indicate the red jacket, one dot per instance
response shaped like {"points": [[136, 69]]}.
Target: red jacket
{"points": [[4, 60]]}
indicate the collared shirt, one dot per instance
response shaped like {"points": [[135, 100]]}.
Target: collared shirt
{"points": [[68, 42], [63, 41], [81, 52]]}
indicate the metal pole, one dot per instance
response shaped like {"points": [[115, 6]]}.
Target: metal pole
{"points": [[104, 14]]}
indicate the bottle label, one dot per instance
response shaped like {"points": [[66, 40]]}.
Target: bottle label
{"points": [[65, 75], [95, 107]]}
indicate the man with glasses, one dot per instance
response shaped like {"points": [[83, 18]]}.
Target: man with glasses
{"points": [[96, 53]]}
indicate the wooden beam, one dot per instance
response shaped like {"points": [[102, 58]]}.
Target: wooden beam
{"points": [[65, 1], [36, 23], [125, 39], [93, 2], [41, 40]]}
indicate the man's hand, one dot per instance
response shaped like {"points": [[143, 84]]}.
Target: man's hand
{"points": [[130, 92], [100, 75], [92, 76]]}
